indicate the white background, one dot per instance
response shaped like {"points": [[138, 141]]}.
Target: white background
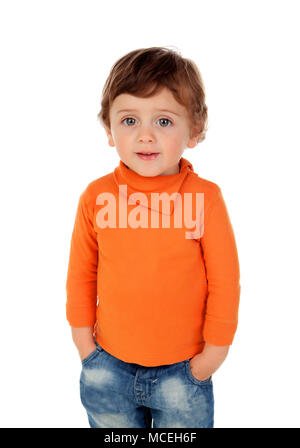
{"points": [[55, 57]]}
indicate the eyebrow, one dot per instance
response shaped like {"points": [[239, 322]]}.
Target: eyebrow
{"points": [[158, 110]]}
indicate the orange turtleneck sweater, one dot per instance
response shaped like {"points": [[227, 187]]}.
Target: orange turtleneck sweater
{"points": [[161, 295]]}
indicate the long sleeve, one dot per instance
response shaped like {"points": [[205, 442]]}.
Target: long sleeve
{"points": [[223, 275], [81, 284]]}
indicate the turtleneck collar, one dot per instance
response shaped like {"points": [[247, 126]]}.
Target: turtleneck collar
{"points": [[157, 184]]}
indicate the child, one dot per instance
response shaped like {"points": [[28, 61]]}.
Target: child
{"points": [[168, 297]]}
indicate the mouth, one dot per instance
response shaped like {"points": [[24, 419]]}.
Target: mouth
{"points": [[147, 155]]}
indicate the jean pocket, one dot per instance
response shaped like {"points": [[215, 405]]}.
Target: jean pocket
{"points": [[91, 356], [192, 378]]}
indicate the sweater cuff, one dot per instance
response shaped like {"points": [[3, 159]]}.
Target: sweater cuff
{"points": [[218, 332], [81, 317]]}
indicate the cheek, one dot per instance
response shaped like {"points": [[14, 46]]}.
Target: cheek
{"points": [[171, 141], [123, 138], [172, 134]]}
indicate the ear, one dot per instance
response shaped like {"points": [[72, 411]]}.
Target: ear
{"points": [[110, 137], [194, 134]]}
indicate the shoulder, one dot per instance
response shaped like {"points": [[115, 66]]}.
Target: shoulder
{"points": [[197, 184], [95, 187]]}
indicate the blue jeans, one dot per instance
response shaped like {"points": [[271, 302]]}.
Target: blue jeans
{"points": [[117, 394]]}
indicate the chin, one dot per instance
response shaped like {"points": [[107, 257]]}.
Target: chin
{"points": [[149, 172]]}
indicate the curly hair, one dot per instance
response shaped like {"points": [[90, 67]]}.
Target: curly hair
{"points": [[145, 71]]}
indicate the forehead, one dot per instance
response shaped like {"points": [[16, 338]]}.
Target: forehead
{"points": [[164, 100]]}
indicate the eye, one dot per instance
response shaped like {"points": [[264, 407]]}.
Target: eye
{"points": [[165, 119], [160, 120], [128, 118]]}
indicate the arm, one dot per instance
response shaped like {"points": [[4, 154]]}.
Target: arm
{"points": [[81, 285], [223, 282]]}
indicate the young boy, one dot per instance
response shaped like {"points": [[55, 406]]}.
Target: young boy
{"points": [[154, 243]]}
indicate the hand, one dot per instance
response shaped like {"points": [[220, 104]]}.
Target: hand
{"points": [[205, 363], [87, 351], [199, 371]]}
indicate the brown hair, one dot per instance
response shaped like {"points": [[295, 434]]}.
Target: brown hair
{"points": [[145, 71]]}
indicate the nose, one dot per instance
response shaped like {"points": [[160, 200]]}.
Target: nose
{"points": [[145, 135], [145, 139]]}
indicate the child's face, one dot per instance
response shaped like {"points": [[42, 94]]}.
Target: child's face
{"points": [[149, 128]]}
